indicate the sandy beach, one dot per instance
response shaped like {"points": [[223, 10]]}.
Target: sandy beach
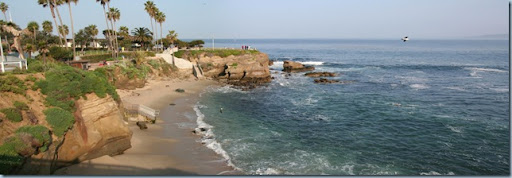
{"points": [[167, 147]]}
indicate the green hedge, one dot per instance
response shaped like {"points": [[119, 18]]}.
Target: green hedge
{"points": [[13, 114], [108, 57], [59, 119]]}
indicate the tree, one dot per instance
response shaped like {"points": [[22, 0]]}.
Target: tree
{"points": [[15, 31], [103, 3], [72, 26], [4, 7], [47, 27], [142, 35], [83, 37], [33, 27], [92, 30], [30, 48], [124, 31], [150, 7], [160, 18], [56, 4], [49, 3], [114, 15], [64, 31], [172, 36]]}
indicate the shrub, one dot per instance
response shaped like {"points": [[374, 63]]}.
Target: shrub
{"points": [[31, 78], [12, 114], [20, 105], [9, 158], [60, 53], [154, 63], [40, 133], [12, 84], [63, 85], [59, 119]]}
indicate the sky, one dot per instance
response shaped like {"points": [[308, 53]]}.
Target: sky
{"points": [[253, 19]]}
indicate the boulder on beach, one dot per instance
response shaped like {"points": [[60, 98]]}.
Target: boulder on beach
{"points": [[180, 90], [324, 81], [290, 66], [142, 125], [321, 74]]}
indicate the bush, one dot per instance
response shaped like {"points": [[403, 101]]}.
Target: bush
{"points": [[40, 133], [59, 119], [20, 105], [12, 114], [108, 57], [31, 78], [154, 63], [61, 54], [9, 158], [63, 85], [12, 84]]}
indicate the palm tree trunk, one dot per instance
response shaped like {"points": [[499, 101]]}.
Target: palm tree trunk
{"points": [[55, 21], [108, 30], [152, 28], [161, 37], [7, 41], [72, 29], [35, 36], [117, 43], [115, 50], [156, 34], [61, 24]]}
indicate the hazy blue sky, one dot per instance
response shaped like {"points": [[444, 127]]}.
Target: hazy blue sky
{"points": [[293, 18]]}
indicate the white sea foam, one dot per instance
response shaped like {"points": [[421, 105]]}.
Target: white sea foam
{"points": [[500, 90], [228, 89], [434, 173], [268, 171], [485, 69], [314, 63], [278, 63], [208, 138], [454, 129], [419, 86], [349, 169]]}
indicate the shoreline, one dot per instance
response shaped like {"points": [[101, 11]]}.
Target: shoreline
{"points": [[167, 147]]}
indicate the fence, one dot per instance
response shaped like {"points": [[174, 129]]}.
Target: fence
{"points": [[19, 64], [142, 110]]}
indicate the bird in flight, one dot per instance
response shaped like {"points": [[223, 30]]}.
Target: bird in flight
{"points": [[405, 38]]}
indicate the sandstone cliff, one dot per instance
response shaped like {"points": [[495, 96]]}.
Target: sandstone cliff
{"points": [[241, 70]]}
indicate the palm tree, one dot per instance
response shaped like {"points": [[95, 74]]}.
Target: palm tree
{"points": [[172, 36], [150, 7], [4, 7], [142, 35], [56, 4], [124, 31], [72, 26], [47, 27], [33, 27], [49, 3], [114, 15], [103, 3], [93, 31], [64, 31], [160, 18]]}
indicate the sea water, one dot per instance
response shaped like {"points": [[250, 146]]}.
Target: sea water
{"points": [[423, 107]]}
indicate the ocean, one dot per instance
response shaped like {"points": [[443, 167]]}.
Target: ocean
{"points": [[422, 107]]}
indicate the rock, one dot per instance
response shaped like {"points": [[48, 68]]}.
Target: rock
{"points": [[99, 130], [172, 104], [179, 90], [166, 85], [194, 131], [270, 62], [324, 81], [320, 74], [142, 125], [290, 66], [202, 129], [28, 145]]}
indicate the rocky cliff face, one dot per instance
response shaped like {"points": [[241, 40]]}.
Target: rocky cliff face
{"points": [[99, 130], [290, 66], [245, 70]]}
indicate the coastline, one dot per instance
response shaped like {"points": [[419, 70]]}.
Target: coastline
{"points": [[167, 147]]}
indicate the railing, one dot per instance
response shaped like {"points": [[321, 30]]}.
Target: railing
{"points": [[19, 63], [142, 110]]}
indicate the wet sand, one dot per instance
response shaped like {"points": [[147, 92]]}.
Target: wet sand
{"points": [[166, 148]]}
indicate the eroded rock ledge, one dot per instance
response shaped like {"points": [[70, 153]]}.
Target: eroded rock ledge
{"points": [[290, 66]]}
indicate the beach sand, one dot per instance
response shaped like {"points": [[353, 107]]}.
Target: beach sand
{"points": [[166, 148]]}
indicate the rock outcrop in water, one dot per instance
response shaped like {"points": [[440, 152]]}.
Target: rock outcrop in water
{"points": [[325, 81], [321, 74], [290, 66], [247, 70]]}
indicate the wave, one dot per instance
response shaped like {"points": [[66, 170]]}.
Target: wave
{"points": [[419, 86], [485, 69], [456, 88], [208, 138], [454, 129], [314, 63], [500, 90], [434, 173]]}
